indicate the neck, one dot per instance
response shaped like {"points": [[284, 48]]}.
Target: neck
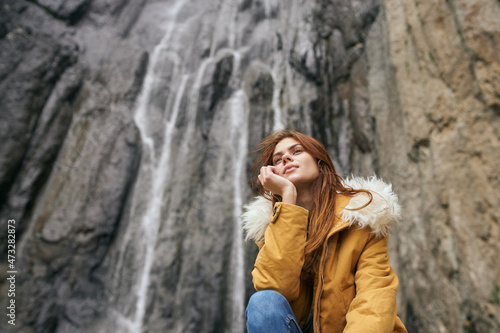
{"points": [[305, 199]]}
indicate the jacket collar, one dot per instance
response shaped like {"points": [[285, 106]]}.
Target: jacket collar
{"points": [[380, 215]]}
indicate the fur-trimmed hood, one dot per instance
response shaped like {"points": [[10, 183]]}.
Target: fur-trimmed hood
{"points": [[380, 215]]}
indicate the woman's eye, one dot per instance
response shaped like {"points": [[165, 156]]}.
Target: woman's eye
{"points": [[276, 161], [297, 151]]}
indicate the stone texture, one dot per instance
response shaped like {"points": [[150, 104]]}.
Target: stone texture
{"points": [[32, 64], [68, 10], [434, 104], [67, 166]]}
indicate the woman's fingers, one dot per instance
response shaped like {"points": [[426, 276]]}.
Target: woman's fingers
{"points": [[271, 181], [265, 175]]}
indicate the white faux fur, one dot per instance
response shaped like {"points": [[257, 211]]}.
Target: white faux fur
{"points": [[256, 218], [380, 215]]}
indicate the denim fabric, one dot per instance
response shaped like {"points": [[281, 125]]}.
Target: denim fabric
{"points": [[268, 311]]}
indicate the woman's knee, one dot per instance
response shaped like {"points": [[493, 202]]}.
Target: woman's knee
{"points": [[267, 303]]}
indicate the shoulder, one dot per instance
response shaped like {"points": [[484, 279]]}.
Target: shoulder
{"points": [[259, 213], [378, 217], [381, 214], [256, 218]]}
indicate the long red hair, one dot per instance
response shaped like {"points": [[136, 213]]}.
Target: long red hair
{"points": [[324, 189]]}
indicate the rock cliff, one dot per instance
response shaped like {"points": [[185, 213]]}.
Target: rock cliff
{"points": [[127, 131], [440, 109]]}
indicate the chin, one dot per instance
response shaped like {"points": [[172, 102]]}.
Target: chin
{"points": [[294, 180]]}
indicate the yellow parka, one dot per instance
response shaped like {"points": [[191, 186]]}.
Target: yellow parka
{"points": [[355, 287]]}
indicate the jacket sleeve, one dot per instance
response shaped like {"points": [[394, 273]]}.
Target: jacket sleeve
{"points": [[373, 309], [281, 256]]}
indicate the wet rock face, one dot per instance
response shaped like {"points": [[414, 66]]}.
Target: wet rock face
{"points": [[67, 164], [71, 11], [127, 132], [40, 80]]}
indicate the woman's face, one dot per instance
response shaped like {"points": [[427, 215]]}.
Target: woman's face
{"points": [[292, 162]]}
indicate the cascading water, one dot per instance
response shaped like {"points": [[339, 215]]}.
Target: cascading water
{"points": [[129, 312], [191, 107], [153, 173], [238, 106]]}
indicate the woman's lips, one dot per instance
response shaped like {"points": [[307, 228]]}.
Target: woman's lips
{"points": [[290, 168]]}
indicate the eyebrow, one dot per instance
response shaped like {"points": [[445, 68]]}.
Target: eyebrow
{"points": [[289, 148]]}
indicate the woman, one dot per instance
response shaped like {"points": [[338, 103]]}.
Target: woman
{"points": [[322, 264]]}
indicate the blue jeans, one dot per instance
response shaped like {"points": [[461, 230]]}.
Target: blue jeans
{"points": [[268, 311]]}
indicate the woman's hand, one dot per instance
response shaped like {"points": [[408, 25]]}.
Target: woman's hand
{"points": [[277, 184]]}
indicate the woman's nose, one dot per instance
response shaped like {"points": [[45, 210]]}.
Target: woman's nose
{"points": [[287, 157]]}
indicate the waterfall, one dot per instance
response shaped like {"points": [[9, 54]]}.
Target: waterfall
{"points": [[193, 102], [153, 174], [239, 138], [151, 221], [129, 311], [238, 109], [150, 81], [278, 122]]}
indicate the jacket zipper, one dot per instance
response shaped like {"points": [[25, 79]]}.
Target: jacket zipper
{"points": [[322, 287]]}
